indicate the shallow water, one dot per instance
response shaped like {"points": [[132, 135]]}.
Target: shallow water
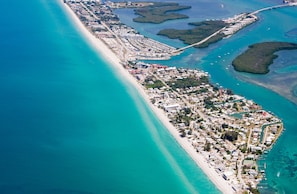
{"points": [[69, 125], [275, 91]]}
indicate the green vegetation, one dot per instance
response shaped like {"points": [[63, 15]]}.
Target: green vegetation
{"points": [[158, 13], [202, 90], [254, 190], [182, 118], [188, 82], [230, 135], [200, 32], [208, 103], [207, 146], [154, 84], [151, 82], [259, 56], [243, 148]]}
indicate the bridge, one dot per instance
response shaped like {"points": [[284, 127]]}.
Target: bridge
{"points": [[224, 28], [200, 42], [273, 7]]}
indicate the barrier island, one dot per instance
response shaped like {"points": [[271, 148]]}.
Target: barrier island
{"points": [[257, 58], [224, 133], [159, 12]]}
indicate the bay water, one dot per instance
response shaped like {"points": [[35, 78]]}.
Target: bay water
{"points": [[275, 91], [69, 124]]}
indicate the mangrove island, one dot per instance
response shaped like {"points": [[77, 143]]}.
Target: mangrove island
{"points": [[158, 12], [259, 56], [200, 32]]}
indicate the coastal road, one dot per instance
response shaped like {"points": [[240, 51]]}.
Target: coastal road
{"points": [[239, 171], [120, 42], [200, 42], [221, 30], [273, 7], [202, 115]]}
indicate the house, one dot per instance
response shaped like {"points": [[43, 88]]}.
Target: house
{"points": [[172, 107]]}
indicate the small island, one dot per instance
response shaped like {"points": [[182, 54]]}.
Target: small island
{"points": [[210, 31], [158, 12], [259, 56], [201, 31]]}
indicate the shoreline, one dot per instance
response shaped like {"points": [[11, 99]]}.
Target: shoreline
{"points": [[111, 58]]}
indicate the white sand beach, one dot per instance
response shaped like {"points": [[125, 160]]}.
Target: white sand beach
{"points": [[114, 61]]}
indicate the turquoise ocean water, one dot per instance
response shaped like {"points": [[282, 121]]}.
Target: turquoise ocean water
{"points": [[68, 124], [276, 25]]}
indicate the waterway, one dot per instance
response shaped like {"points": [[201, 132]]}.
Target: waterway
{"points": [[70, 125], [275, 91]]}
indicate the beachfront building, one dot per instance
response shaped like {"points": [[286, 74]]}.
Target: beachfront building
{"points": [[123, 40], [229, 131]]}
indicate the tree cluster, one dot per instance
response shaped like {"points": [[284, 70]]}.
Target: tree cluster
{"points": [[230, 135]]}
